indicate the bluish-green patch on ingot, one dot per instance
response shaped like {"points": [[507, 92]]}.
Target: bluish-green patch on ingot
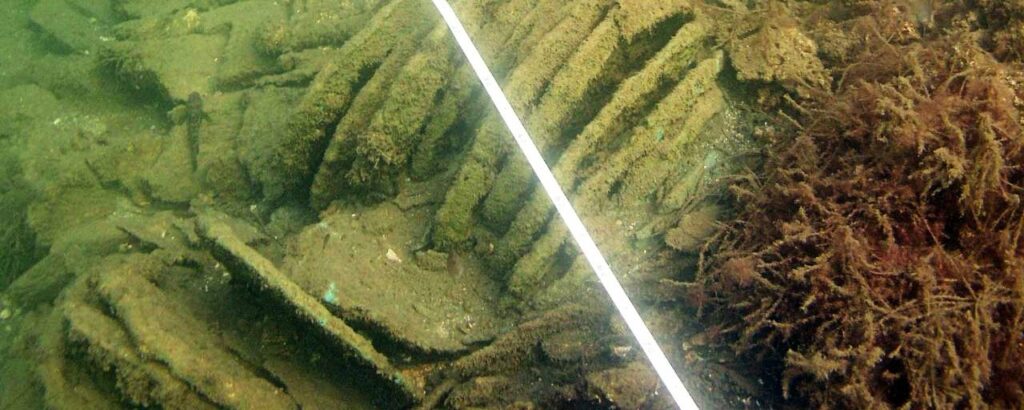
{"points": [[331, 295]]}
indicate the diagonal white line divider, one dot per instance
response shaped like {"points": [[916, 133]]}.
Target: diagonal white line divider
{"points": [[579, 232]]}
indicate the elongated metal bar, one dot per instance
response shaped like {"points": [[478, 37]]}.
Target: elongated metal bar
{"points": [[579, 232]]}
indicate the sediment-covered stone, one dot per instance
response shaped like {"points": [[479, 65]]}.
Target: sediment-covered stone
{"points": [[369, 160], [627, 105], [261, 274], [432, 309], [524, 85], [73, 28], [166, 332], [105, 342], [301, 148]]}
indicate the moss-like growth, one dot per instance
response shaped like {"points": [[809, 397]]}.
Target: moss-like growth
{"points": [[524, 86], [561, 101], [340, 153], [308, 133], [367, 161], [440, 140], [628, 105], [65, 385], [575, 96], [454, 220], [217, 373], [637, 169], [511, 30], [1005, 22], [684, 110], [314, 24], [170, 68], [105, 343], [515, 350], [640, 16], [242, 62]]}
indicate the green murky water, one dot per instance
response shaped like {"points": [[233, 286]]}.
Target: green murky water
{"points": [[274, 204], [265, 204]]}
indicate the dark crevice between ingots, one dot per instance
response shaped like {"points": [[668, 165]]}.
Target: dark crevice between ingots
{"points": [[390, 344], [17, 238]]}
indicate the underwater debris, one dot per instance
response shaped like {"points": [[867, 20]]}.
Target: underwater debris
{"points": [[223, 379], [538, 364], [628, 105], [350, 135], [261, 274], [301, 148], [427, 310], [491, 144], [776, 51], [380, 132], [877, 260]]}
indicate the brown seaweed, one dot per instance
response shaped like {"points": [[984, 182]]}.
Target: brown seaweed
{"points": [[878, 257]]}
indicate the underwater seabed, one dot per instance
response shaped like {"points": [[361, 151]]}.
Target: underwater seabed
{"points": [[312, 204]]}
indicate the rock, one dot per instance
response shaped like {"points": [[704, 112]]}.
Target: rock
{"points": [[70, 27], [778, 51], [260, 273], [392, 256], [171, 179], [144, 381], [166, 331], [172, 66], [149, 8], [638, 16], [422, 309], [242, 63], [693, 229], [631, 387]]}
